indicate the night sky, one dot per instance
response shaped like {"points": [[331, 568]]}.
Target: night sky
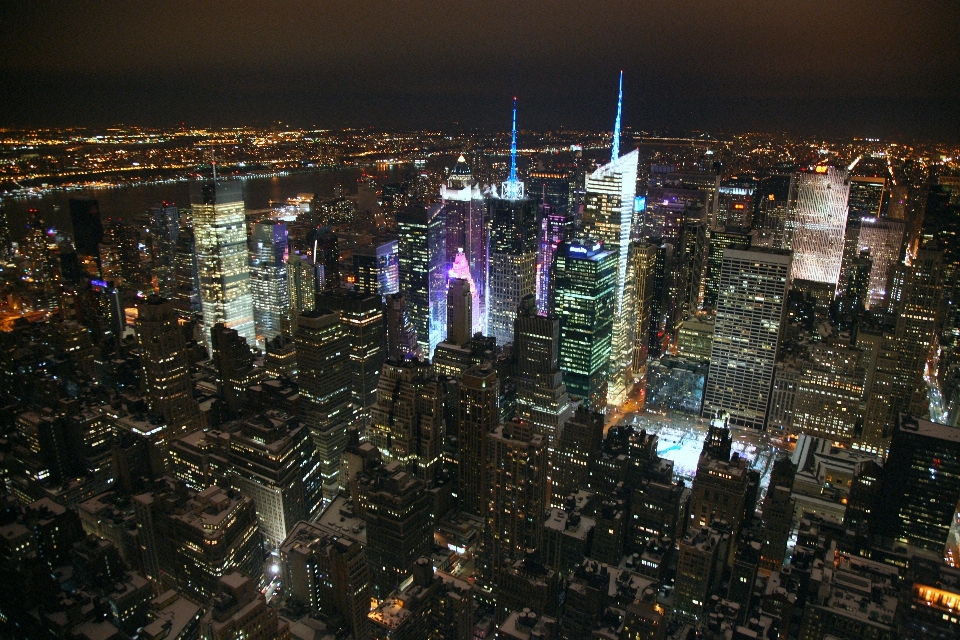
{"points": [[834, 67]]}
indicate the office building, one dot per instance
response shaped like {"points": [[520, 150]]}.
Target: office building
{"points": [[608, 217], [421, 259], [190, 540], [274, 462], [478, 414], [466, 231], [641, 272], [361, 315], [187, 296], [303, 279], [239, 610], [396, 508], [407, 419], [866, 197], [720, 239], [556, 225], [468, 294], [401, 337], [323, 362], [233, 360], [220, 243], [584, 303], [515, 493], [327, 573], [921, 483], [269, 252], [376, 268], [753, 293], [166, 366], [164, 230], [817, 222], [883, 238], [542, 398]]}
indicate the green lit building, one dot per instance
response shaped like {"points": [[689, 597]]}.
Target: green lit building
{"points": [[583, 299]]}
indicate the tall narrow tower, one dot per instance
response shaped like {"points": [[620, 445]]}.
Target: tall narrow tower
{"points": [[220, 240], [513, 249], [608, 217]]}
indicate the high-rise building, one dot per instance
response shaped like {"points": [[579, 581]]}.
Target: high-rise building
{"points": [[376, 268], [361, 315], [87, 228], [187, 296], [326, 255], [323, 362], [234, 363], [466, 231], [396, 507], [753, 294], [422, 257], [220, 242], [921, 483], [883, 238], [830, 391], [327, 573], [473, 314], [542, 398], [641, 272], [239, 610], [459, 311], [269, 252], [574, 451], [584, 301], [556, 225], [478, 414], [401, 336], [513, 250], [720, 239], [166, 366], [191, 539], [164, 235], [274, 462], [515, 492], [816, 224], [407, 420], [608, 217], [866, 197]]}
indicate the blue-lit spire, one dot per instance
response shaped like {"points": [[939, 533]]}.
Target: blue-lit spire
{"points": [[616, 126], [512, 189], [513, 144]]}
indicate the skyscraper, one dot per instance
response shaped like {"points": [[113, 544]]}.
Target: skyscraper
{"points": [[423, 279], [461, 271], [516, 494], [269, 252], [323, 361], [883, 238], [542, 398], [164, 222], [478, 414], [583, 300], [401, 336], [234, 363], [220, 241], [753, 293], [376, 269], [407, 420], [302, 285], [513, 250], [608, 217], [466, 231], [166, 367], [641, 270], [556, 225], [459, 311], [817, 222], [187, 296]]}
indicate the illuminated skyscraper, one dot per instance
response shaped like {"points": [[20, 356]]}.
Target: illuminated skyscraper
{"points": [[376, 269], [187, 296], [641, 270], [166, 366], [753, 294], [220, 242], [866, 197], [477, 415], [268, 271], [608, 217], [817, 222], [883, 238], [513, 250], [459, 311], [423, 279], [464, 213], [302, 283], [556, 225], [323, 361], [461, 271], [583, 300]]}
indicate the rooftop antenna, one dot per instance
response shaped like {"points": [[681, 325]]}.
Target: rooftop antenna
{"points": [[513, 189], [616, 126], [213, 163]]}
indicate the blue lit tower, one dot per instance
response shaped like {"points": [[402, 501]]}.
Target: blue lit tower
{"points": [[269, 252], [513, 250], [608, 216]]}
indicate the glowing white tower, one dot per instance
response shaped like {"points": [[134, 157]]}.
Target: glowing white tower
{"points": [[818, 220], [608, 216]]}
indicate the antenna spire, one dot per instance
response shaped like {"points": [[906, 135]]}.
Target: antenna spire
{"points": [[213, 163], [616, 126], [513, 144]]}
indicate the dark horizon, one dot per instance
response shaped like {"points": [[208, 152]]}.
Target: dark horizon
{"points": [[810, 68]]}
